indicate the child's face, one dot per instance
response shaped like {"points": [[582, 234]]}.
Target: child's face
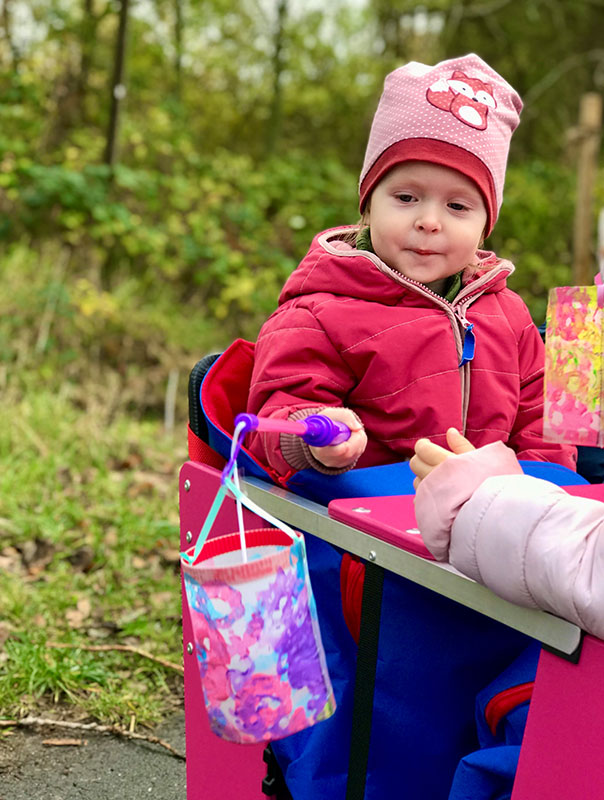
{"points": [[426, 221]]}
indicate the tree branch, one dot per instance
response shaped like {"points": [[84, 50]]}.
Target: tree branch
{"points": [[126, 648], [557, 72], [460, 11], [483, 10], [28, 722]]}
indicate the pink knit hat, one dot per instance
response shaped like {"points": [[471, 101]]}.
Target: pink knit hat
{"points": [[459, 114]]}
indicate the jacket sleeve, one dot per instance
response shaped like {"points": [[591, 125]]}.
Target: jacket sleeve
{"points": [[526, 437], [297, 371], [534, 544], [444, 491], [526, 539]]}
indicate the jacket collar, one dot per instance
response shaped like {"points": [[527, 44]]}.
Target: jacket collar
{"points": [[334, 266]]}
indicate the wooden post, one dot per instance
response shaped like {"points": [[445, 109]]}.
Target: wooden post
{"points": [[590, 122]]}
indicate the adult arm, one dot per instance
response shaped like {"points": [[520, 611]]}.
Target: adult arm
{"points": [[526, 539]]}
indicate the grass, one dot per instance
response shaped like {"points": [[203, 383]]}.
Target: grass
{"points": [[88, 503], [107, 495]]}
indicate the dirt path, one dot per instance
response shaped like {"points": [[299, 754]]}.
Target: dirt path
{"points": [[107, 768]]}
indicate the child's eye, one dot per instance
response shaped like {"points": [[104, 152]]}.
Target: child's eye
{"points": [[405, 198], [457, 206]]}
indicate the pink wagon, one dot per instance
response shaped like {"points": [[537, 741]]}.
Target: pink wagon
{"points": [[562, 754]]}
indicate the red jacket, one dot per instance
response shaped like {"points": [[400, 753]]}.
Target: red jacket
{"points": [[350, 331]]}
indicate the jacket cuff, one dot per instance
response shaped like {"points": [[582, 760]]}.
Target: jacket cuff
{"points": [[445, 490], [297, 453]]}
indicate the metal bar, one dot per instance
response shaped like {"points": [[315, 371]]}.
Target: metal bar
{"points": [[364, 682], [313, 518]]}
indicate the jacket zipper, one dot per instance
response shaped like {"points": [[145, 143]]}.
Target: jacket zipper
{"points": [[456, 312]]}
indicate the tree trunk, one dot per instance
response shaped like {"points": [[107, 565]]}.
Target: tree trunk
{"points": [[8, 34], [88, 36], [275, 119], [178, 45], [389, 25], [118, 89]]}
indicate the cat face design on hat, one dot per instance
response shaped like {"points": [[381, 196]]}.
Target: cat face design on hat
{"points": [[468, 99]]}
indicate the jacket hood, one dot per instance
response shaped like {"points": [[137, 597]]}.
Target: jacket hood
{"points": [[333, 266]]}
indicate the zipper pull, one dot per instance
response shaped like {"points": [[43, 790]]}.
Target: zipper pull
{"points": [[469, 344]]}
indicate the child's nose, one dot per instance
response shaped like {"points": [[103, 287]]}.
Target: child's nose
{"points": [[427, 220]]}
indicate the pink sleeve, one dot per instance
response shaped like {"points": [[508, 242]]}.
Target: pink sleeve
{"points": [[535, 545], [297, 371], [444, 491]]}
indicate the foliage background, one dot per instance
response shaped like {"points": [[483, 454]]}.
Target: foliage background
{"points": [[240, 136], [242, 132]]}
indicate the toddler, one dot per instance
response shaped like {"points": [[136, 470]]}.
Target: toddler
{"points": [[401, 325]]}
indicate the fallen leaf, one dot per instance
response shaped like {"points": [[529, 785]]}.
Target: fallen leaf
{"points": [[64, 475], [131, 615], [170, 556], [161, 599], [131, 641], [36, 554], [148, 483], [131, 461], [8, 526], [10, 561], [84, 606], [76, 616], [111, 537], [103, 630], [5, 631]]}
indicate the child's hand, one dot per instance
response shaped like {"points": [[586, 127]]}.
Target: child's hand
{"points": [[347, 453], [428, 455]]}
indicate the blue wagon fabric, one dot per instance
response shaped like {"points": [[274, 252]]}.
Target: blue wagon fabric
{"points": [[489, 772]]}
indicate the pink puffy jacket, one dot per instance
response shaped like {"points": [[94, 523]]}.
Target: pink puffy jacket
{"points": [[350, 331], [526, 539]]}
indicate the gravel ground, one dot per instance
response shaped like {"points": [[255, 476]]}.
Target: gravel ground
{"points": [[107, 768]]}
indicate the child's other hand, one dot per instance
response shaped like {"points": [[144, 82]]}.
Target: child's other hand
{"points": [[342, 455], [429, 455]]}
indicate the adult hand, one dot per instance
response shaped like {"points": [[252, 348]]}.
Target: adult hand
{"points": [[342, 455], [429, 455]]}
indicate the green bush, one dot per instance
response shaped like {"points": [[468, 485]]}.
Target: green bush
{"points": [[222, 235], [535, 230]]}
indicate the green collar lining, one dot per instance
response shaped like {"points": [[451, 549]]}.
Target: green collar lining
{"points": [[452, 286]]}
